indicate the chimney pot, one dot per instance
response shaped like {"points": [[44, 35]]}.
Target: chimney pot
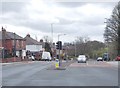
{"points": [[28, 35]]}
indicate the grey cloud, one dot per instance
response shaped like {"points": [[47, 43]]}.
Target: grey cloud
{"points": [[78, 4], [41, 25], [93, 21], [107, 4], [12, 7], [71, 4], [64, 20], [86, 26]]}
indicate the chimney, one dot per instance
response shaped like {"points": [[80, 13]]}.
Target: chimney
{"points": [[3, 32], [28, 35], [3, 29], [41, 40]]}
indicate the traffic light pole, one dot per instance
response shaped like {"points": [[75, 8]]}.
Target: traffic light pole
{"points": [[60, 62], [59, 51]]}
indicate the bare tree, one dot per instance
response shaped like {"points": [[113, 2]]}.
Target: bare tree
{"points": [[47, 39], [112, 31]]}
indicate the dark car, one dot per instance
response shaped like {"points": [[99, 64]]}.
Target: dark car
{"points": [[106, 57], [117, 58]]}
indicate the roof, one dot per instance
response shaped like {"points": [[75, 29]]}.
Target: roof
{"points": [[14, 36], [10, 35], [31, 41]]}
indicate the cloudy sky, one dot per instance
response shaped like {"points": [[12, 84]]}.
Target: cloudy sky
{"points": [[74, 19]]}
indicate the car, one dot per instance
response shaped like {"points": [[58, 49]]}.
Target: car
{"points": [[106, 57], [81, 58], [32, 58], [117, 58], [99, 59]]}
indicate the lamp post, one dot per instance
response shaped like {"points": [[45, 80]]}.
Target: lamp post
{"points": [[14, 47], [52, 31], [59, 48]]}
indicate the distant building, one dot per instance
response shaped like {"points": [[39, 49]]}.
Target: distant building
{"points": [[33, 47], [13, 44]]}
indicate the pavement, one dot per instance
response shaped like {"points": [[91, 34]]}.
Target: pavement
{"points": [[114, 63], [22, 62]]}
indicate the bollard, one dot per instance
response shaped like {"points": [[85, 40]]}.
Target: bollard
{"points": [[56, 63]]}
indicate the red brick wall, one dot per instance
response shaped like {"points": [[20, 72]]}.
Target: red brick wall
{"points": [[9, 45], [16, 59], [20, 44]]}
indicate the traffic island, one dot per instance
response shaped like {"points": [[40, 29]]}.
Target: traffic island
{"points": [[63, 66], [60, 68], [53, 68]]}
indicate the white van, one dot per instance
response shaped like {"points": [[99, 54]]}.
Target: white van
{"points": [[46, 56]]}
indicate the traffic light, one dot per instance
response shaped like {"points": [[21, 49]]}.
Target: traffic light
{"points": [[59, 45]]}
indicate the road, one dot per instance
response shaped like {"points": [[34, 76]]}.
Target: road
{"points": [[36, 73]]}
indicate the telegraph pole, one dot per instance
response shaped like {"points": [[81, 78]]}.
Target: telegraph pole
{"points": [[14, 46]]}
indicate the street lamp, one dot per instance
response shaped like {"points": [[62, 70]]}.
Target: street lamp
{"points": [[59, 46], [52, 31], [60, 35]]}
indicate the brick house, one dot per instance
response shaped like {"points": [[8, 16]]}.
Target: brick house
{"points": [[13, 44], [33, 47]]}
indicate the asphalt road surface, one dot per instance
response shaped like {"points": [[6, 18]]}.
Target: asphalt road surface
{"points": [[92, 73]]}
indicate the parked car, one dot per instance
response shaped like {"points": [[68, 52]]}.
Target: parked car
{"points": [[32, 58], [81, 58], [106, 57], [99, 59], [117, 58]]}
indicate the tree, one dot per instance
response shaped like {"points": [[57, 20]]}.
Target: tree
{"points": [[112, 31], [80, 39], [47, 39], [83, 45], [48, 44], [48, 48]]}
